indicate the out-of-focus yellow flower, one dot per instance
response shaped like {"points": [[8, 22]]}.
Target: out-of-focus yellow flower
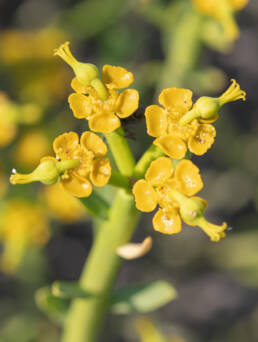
{"points": [[27, 51], [79, 162], [21, 45], [31, 147], [223, 12], [22, 224], [3, 184], [172, 190], [99, 100], [11, 114], [62, 205], [178, 127]]}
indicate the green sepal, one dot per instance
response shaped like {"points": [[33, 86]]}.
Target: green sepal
{"points": [[69, 290], [96, 205], [54, 307], [142, 298]]}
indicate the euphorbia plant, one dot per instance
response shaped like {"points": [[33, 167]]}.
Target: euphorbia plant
{"points": [[161, 177]]}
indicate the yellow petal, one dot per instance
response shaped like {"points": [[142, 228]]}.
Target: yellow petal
{"points": [[92, 142], [80, 105], [206, 6], [8, 132], [116, 77], [131, 251], [238, 4], [101, 171], [176, 99], [65, 144], [104, 123], [173, 146], [127, 103], [145, 196], [159, 171], [167, 221], [156, 120], [188, 176], [202, 139], [76, 185], [78, 87]]}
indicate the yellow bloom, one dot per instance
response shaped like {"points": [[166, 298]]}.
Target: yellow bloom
{"points": [[11, 114], [62, 204], [20, 45], [172, 190], [78, 162], [178, 126], [23, 224], [99, 100], [172, 138], [223, 12]]}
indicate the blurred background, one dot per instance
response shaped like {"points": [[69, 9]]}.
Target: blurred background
{"points": [[45, 234]]}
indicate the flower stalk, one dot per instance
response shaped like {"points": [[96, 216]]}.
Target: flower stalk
{"points": [[86, 316]]}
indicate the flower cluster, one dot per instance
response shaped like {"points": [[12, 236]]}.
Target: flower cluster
{"points": [[178, 126], [173, 191], [11, 114], [76, 166], [97, 100], [223, 12], [22, 224]]}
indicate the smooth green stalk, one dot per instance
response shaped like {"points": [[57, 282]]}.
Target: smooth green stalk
{"points": [[96, 205], [121, 152], [120, 181], [182, 44], [152, 153], [85, 317]]}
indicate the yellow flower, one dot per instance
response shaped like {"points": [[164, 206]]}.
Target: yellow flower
{"points": [[78, 162], [172, 138], [172, 190], [223, 12], [99, 100], [177, 127], [23, 224], [21, 45], [62, 204], [11, 114]]}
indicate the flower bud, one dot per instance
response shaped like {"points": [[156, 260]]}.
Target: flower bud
{"points": [[47, 172], [86, 73]]}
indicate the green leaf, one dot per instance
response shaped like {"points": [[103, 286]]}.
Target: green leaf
{"points": [[55, 308], [142, 298], [96, 205], [69, 290]]}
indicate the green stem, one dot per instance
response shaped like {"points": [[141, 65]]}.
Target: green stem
{"points": [[119, 180], [86, 316], [182, 44], [121, 152], [152, 153], [96, 205], [65, 165]]}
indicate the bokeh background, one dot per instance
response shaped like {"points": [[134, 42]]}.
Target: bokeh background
{"points": [[46, 236]]}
